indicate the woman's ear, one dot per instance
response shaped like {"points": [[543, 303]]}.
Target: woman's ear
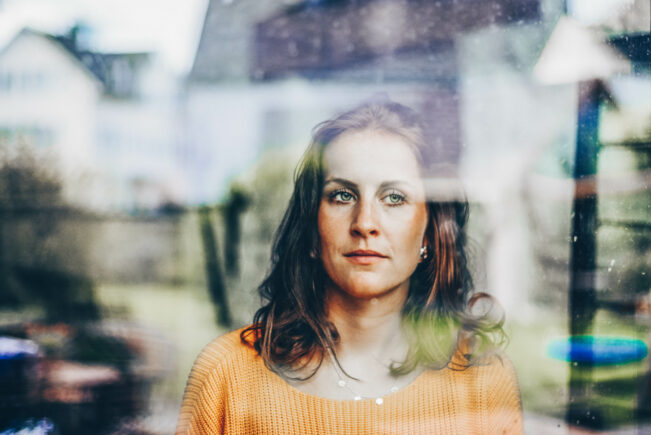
{"points": [[424, 251]]}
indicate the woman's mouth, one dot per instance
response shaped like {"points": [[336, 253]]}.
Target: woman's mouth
{"points": [[364, 256]]}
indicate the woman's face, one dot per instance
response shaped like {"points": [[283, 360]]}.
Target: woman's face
{"points": [[372, 215]]}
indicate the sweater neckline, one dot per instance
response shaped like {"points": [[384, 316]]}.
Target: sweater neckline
{"points": [[279, 380]]}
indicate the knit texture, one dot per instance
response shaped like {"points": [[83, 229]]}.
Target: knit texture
{"points": [[231, 391]]}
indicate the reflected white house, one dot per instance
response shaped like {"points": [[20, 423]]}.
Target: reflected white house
{"points": [[49, 100], [109, 122]]}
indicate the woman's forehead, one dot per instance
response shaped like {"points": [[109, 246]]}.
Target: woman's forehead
{"points": [[371, 154]]}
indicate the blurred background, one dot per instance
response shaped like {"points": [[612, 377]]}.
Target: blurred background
{"points": [[146, 157]]}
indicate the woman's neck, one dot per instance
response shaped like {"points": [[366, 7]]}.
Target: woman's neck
{"points": [[370, 339], [368, 327]]}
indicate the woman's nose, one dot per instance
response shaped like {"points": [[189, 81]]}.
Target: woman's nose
{"points": [[364, 222]]}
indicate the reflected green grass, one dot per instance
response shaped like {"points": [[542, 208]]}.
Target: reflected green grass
{"points": [[183, 315]]}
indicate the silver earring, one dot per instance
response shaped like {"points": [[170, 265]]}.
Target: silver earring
{"points": [[423, 253], [313, 255]]}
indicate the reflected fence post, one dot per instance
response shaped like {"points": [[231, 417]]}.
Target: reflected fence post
{"points": [[4, 285], [216, 285], [232, 212], [582, 302]]}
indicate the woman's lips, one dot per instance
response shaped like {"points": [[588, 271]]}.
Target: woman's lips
{"points": [[364, 257]]}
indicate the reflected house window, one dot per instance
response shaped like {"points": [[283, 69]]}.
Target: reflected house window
{"points": [[32, 81], [22, 81], [121, 77], [35, 136]]}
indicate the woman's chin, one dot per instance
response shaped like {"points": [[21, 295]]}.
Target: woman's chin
{"points": [[367, 290]]}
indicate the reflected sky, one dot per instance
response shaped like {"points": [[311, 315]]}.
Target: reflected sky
{"points": [[168, 27]]}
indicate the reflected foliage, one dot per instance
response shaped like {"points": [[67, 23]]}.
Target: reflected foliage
{"points": [[81, 379], [32, 267]]}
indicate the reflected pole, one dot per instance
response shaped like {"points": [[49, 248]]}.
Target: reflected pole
{"points": [[216, 285], [4, 278], [575, 54], [232, 211], [582, 300]]}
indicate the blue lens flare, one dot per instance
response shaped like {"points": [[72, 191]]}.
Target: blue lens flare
{"points": [[597, 350]]}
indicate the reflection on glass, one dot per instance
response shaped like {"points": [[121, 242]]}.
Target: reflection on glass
{"points": [[138, 205]]}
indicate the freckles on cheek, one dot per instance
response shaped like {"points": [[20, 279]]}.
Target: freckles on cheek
{"points": [[329, 220], [326, 229], [322, 221]]}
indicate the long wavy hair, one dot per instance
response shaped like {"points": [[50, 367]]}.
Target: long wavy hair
{"points": [[440, 314]]}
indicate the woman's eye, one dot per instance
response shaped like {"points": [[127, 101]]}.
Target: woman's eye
{"points": [[342, 196], [395, 199]]}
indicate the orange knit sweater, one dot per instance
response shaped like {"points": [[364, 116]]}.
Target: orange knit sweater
{"points": [[230, 391]]}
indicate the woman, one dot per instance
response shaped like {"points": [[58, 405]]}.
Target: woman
{"points": [[368, 324]]}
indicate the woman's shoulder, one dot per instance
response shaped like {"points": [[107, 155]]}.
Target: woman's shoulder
{"points": [[492, 371], [495, 378], [492, 359], [223, 359], [497, 369], [500, 397], [226, 344], [224, 353]]}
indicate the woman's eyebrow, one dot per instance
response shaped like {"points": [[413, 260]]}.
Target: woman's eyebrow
{"points": [[395, 183], [341, 181], [384, 185]]}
